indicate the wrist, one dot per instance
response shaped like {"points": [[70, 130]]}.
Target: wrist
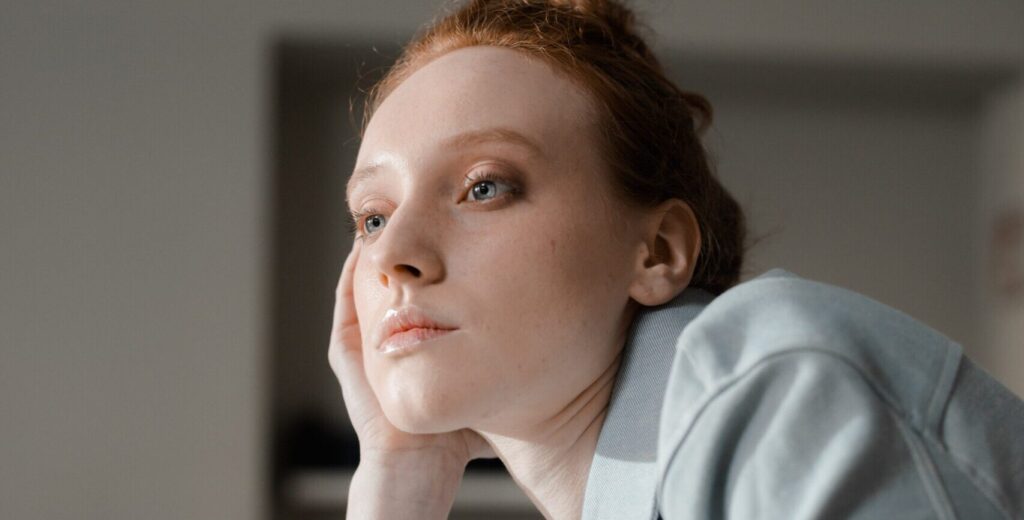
{"points": [[420, 459], [419, 484]]}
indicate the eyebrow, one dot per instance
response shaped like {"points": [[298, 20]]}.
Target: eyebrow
{"points": [[464, 139]]}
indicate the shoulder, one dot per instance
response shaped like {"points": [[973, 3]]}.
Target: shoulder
{"points": [[781, 382], [780, 316]]}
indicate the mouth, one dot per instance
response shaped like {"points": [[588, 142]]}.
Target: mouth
{"points": [[405, 328], [409, 340]]}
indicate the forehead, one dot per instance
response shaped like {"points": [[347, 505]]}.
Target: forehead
{"points": [[473, 89]]}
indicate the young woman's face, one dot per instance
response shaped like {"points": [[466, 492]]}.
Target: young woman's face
{"points": [[490, 209]]}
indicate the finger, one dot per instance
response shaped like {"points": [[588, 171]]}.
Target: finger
{"points": [[345, 353], [345, 339], [344, 301]]}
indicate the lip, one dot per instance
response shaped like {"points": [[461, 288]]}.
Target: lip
{"points": [[406, 327], [409, 340]]}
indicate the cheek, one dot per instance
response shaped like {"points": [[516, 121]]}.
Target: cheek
{"points": [[559, 290], [583, 253], [559, 262]]}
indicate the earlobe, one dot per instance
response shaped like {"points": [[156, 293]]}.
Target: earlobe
{"points": [[670, 250]]}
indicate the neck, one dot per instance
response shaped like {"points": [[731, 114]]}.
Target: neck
{"points": [[551, 463]]}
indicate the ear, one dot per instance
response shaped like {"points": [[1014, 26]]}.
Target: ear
{"points": [[668, 255]]}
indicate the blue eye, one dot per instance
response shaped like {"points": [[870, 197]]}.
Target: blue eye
{"points": [[483, 186], [375, 219]]}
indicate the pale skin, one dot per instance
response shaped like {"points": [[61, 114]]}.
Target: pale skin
{"points": [[541, 275]]}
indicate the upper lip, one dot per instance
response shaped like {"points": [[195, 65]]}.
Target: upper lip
{"points": [[405, 318]]}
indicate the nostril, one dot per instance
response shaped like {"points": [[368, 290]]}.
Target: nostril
{"points": [[385, 278], [412, 270]]}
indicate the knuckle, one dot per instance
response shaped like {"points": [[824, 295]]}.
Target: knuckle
{"points": [[334, 358]]}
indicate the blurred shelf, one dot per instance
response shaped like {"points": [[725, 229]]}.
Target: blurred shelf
{"points": [[481, 492]]}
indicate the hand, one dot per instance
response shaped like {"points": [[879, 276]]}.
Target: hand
{"points": [[377, 436]]}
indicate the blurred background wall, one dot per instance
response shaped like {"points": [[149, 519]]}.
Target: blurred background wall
{"points": [[876, 145]]}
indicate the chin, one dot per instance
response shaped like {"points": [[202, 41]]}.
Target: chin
{"points": [[423, 417]]}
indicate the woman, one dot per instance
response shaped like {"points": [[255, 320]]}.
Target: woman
{"points": [[543, 272]]}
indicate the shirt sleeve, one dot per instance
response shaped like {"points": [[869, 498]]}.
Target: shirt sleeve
{"points": [[801, 434]]}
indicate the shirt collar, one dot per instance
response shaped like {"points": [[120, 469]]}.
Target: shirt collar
{"points": [[622, 478]]}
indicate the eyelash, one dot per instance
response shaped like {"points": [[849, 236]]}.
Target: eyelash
{"points": [[356, 224]]}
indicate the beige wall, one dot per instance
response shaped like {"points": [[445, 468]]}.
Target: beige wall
{"points": [[134, 217], [132, 289], [1002, 186]]}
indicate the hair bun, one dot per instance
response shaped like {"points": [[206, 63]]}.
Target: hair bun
{"points": [[613, 19], [617, 21], [612, 13]]}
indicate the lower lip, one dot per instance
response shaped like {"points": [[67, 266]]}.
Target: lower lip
{"points": [[407, 340]]}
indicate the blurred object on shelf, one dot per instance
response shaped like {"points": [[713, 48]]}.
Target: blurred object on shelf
{"points": [[1008, 253]]}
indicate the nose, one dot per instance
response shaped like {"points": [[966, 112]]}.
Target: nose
{"points": [[405, 252]]}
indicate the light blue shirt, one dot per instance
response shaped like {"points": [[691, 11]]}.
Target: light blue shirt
{"points": [[791, 399]]}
